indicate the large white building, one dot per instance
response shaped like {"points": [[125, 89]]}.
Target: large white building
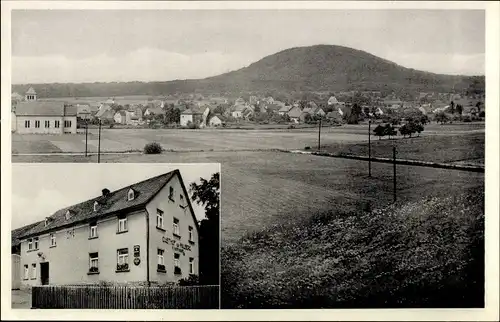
{"points": [[32, 116], [143, 233]]}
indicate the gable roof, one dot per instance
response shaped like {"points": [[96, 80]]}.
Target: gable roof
{"points": [[155, 110], [110, 204], [294, 112], [16, 96], [31, 90], [42, 108], [285, 108], [18, 232], [220, 117]]}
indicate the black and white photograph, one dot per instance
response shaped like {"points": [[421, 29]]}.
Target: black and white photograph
{"points": [[360, 169], [128, 236]]}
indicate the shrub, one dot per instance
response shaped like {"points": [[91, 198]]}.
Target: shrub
{"points": [[307, 148], [190, 281], [152, 148]]}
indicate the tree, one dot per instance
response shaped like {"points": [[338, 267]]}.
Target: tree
{"points": [[389, 130], [379, 131], [442, 118], [405, 130], [478, 106], [172, 115], [459, 109], [207, 193], [452, 107]]}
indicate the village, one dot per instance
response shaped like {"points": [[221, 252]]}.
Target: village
{"points": [[213, 111]]}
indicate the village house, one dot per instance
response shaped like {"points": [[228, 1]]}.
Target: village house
{"points": [[43, 117], [122, 117], [285, 109], [193, 115], [150, 111], [217, 120], [143, 233], [294, 114], [84, 111], [237, 111]]}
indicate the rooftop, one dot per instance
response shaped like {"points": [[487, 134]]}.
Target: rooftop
{"points": [[112, 203]]}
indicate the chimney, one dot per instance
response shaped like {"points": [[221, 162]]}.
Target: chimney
{"points": [[105, 192]]}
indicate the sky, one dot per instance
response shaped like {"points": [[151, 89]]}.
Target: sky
{"points": [[39, 190], [161, 45]]}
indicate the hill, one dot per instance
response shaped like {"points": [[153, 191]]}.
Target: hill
{"points": [[300, 69]]}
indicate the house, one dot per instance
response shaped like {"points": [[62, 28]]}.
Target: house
{"points": [[238, 110], [294, 114], [16, 255], [143, 233], [83, 111], [334, 116], [217, 120], [122, 117], [150, 111], [193, 115], [239, 101], [285, 109], [44, 117], [332, 101]]}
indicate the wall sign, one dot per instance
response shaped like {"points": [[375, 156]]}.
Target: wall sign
{"points": [[137, 261], [137, 251], [176, 245]]}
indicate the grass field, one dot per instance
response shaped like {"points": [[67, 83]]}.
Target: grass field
{"points": [[120, 140], [260, 189], [461, 148]]}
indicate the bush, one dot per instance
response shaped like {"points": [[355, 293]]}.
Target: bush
{"points": [[152, 148], [190, 281]]}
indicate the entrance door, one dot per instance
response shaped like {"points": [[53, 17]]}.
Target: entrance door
{"points": [[44, 273]]}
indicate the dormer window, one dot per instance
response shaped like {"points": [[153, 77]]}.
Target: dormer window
{"points": [[68, 215], [47, 221], [96, 205], [131, 195]]}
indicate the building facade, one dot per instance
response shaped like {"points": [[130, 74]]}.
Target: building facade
{"points": [[44, 117], [146, 232]]}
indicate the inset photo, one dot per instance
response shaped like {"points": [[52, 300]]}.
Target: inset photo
{"points": [[115, 236]]}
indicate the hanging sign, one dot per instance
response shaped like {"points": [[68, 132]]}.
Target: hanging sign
{"points": [[137, 251]]}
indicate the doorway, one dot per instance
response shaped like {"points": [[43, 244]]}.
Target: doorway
{"points": [[44, 273]]}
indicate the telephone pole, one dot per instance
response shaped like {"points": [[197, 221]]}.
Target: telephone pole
{"points": [[369, 149], [394, 171], [86, 133], [319, 135], [99, 144]]}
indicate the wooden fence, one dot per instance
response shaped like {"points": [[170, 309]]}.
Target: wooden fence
{"points": [[125, 297]]}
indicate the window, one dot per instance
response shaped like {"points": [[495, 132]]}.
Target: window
{"points": [[53, 240], [161, 260], [96, 205], [122, 224], [26, 272], [94, 262], [177, 267], [57, 124], [191, 234], [68, 215], [93, 230], [35, 242], [30, 244], [171, 194], [27, 123], [46, 222], [37, 124], [159, 218], [122, 260], [191, 265], [33, 271], [130, 195], [182, 204], [176, 227], [47, 124], [67, 123]]}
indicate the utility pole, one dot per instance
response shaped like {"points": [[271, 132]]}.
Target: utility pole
{"points": [[394, 171], [86, 133], [99, 144], [369, 149], [319, 135]]}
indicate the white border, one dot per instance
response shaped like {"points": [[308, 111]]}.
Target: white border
{"points": [[492, 171]]}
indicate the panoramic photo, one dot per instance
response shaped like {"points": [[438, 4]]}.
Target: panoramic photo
{"points": [[352, 142]]}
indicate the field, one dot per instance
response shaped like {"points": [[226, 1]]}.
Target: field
{"points": [[122, 140], [461, 148], [261, 189]]}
